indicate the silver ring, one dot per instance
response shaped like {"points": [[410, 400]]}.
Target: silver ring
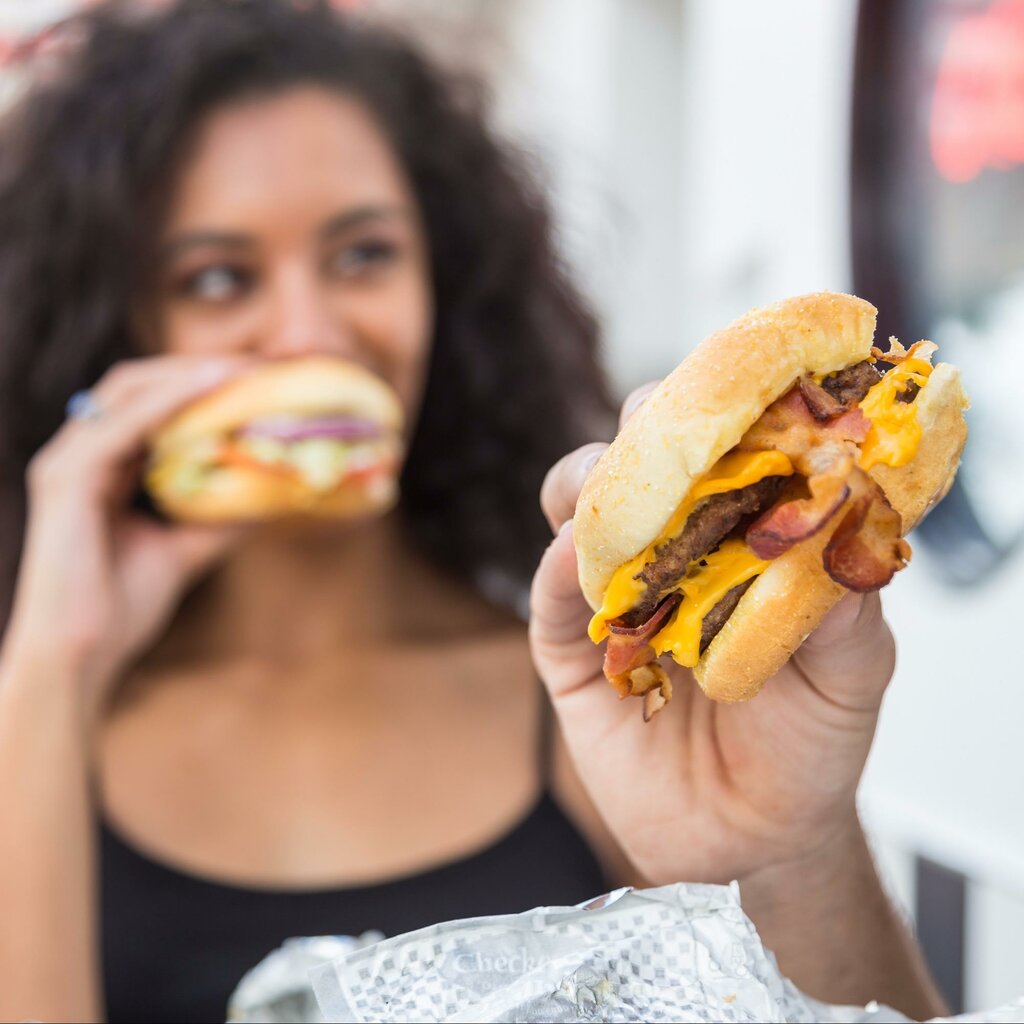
{"points": [[82, 405]]}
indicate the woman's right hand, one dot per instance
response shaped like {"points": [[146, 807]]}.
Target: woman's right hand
{"points": [[719, 800], [99, 580]]}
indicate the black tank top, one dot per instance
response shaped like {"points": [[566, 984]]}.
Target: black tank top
{"points": [[175, 945]]}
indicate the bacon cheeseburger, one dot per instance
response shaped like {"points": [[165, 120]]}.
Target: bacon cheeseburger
{"points": [[313, 436], [776, 468]]}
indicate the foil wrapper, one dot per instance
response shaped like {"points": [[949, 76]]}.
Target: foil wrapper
{"points": [[1011, 1013], [277, 989], [677, 953]]}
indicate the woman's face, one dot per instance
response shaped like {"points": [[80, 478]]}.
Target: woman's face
{"points": [[293, 230]]}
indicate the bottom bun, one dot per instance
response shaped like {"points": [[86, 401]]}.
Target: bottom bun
{"points": [[789, 599], [240, 494]]}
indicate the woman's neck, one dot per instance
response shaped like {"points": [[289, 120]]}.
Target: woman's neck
{"points": [[303, 593]]}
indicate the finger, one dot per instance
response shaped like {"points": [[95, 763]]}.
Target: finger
{"points": [[558, 611], [100, 451], [564, 481], [155, 397], [634, 400], [164, 558], [130, 376], [850, 657], [570, 666], [196, 548]]}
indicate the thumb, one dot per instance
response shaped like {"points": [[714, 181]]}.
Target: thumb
{"points": [[558, 612], [850, 657], [197, 548]]}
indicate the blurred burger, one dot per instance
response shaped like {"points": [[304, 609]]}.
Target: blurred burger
{"points": [[315, 436]]}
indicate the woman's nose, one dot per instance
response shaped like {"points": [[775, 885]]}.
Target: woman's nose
{"points": [[304, 321]]}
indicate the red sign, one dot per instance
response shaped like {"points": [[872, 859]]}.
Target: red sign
{"points": [[977, 115]]}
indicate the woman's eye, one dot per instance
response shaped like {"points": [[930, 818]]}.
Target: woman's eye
{"points": [[216, 284], [354, 259]]}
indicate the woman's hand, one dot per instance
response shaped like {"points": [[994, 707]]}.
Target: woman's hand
{"points": [[705, 791], [99, 580]]}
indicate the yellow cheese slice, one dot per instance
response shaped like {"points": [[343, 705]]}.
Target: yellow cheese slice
{"points": [[732, 564], [895, 431], [730, 473]]}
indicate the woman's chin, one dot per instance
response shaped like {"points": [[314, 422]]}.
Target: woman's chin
{"points": [[315, 529]]}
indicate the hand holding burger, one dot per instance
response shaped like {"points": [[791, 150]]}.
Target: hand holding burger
{"points": [[762, 791], [712, 791], [99, 579], [227, 441]]}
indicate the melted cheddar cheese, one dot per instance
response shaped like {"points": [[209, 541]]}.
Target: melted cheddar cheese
{"points": [[895, 431], [732, 564], [892, 440], [730, 473]]}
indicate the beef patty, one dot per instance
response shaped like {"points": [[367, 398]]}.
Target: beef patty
{"points": [[708, 525], [715, 619], [849, 386]]}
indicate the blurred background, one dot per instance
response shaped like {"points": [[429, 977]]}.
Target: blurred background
{"points": [[706, 156]]}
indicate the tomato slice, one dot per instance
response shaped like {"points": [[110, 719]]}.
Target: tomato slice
{"points": [[232, 455]]}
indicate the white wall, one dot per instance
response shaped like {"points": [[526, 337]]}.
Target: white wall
{"points": [[595, 88], [765, 167], [697, 152], [680, 227]]}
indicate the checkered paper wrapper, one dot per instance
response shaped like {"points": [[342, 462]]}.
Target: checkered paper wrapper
{"points": [[678, 953]]}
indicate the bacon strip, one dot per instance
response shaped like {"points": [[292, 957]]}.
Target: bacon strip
{"points": [[790, 522], [866, 550], [630, 663], [822, 405], [630, 648], [652, 682], [789, 426], [897, 353], [851, 426]]}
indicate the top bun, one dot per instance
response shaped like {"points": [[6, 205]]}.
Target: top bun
{"points": [[309, 386], [698, 413]]}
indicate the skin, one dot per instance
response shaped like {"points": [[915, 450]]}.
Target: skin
{"points": [[763, 792], [213, 735]]}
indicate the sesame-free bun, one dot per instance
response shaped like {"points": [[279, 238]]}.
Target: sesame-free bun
{"points": [[697, 414], [240, 494], [311, 386]]}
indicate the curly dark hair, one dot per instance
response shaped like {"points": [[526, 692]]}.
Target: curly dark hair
{"points": [[87, 161]]}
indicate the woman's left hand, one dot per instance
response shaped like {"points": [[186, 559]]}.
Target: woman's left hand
{"points": [[706, 791]]}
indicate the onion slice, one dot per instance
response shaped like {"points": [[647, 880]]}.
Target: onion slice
{"points": [[296, 428]]}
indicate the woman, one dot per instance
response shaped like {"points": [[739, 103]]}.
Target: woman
{"points": [[334, 732]]}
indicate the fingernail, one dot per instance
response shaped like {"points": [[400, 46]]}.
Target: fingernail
{"points": [[590, 462], [567, 525], [215, 372], [632, 406], [864, 610]]}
